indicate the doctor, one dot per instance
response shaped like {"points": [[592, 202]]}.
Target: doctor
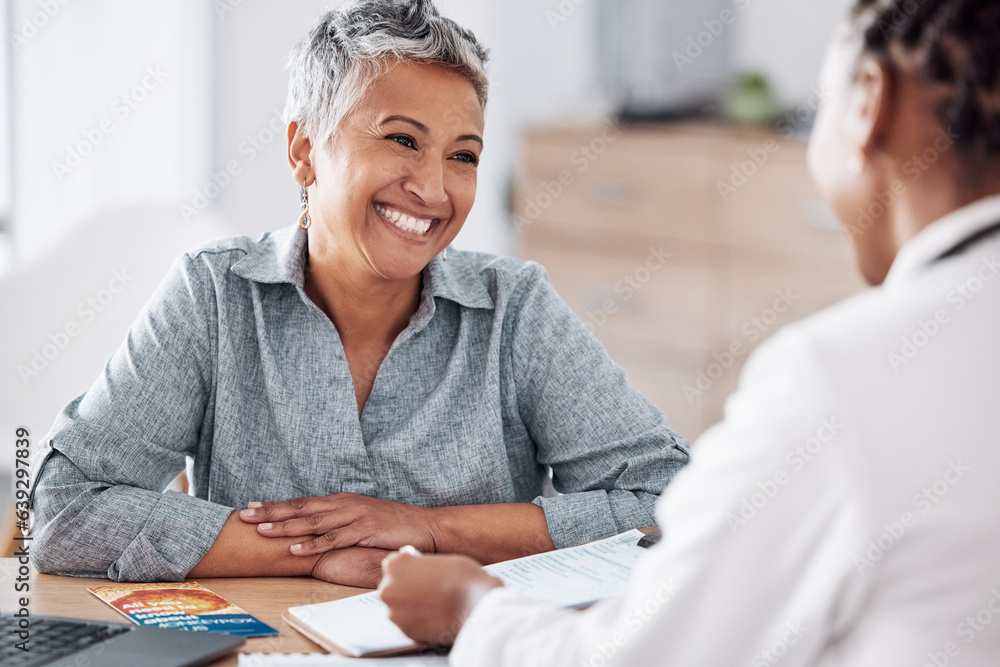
{"points": [[847, 510]]}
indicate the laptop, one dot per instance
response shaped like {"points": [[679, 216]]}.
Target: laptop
{"points": [[63, 642]]}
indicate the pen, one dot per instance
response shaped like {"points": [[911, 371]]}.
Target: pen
{"points": [[650, 539], [409, 550]]}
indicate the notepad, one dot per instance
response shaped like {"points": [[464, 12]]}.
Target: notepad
{"points": [[326, 660], [575, 577]]}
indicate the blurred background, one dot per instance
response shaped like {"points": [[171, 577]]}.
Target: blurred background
{"points": [[649, 154]]}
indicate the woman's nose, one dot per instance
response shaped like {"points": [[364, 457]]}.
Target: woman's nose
{"points": [[427, 182]]}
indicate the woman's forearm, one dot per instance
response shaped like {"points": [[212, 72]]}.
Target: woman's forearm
{"points": [[491, 533], [240, 551], [314, 525]]}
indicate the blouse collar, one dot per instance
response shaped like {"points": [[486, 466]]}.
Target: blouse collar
{"points": [[282, 257]]}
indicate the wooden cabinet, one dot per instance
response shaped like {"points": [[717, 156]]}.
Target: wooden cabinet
{"points": [[682, 248]]}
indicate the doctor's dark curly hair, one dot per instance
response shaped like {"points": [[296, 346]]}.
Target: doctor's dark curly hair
{"points": [[953, 43]]}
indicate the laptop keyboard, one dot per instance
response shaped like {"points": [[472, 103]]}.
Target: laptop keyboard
{"points": [[51, 639]]}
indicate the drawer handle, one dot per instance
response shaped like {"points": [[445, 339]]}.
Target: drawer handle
{"points": [[608, 192]]}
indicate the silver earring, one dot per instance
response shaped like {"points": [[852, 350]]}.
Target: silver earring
{"points": [[444, 254], [304, 220]]}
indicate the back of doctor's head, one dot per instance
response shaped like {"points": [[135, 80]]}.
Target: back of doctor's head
{"points": [[949, 43]]}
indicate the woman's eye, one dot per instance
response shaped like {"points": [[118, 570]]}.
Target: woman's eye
{"points": [[403, 140], [469, 158]]}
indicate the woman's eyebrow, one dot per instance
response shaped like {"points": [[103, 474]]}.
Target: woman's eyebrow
{"points": [[471, 137], [426, 130], [406, 119]]}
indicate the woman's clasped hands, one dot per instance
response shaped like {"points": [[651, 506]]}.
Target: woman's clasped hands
{"points": [[350, 533]]}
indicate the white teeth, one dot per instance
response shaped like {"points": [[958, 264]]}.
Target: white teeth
{"points": [[404, 221]]}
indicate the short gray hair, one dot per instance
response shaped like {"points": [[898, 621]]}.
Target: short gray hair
{"points": [[350, 47]]}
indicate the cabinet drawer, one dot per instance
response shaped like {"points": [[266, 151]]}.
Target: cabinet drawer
{"points": [[624, 297], [622, 189], [778, 209], [760, 306]]}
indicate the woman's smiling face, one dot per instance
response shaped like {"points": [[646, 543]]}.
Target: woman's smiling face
{"points": [[396, 182]]}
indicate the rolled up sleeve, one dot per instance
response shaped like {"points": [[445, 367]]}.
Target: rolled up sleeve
{"points": [[98, 501], [610, 450]]}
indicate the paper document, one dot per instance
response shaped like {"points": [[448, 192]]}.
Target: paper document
{"points": [[573, 577]]}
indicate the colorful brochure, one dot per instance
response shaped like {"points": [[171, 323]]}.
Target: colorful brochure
{"points": [[182, 606]]}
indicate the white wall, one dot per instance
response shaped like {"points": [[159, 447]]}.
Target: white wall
{"points": [[787, 39], [252, 42], [6, 255], [69, 309], [73, 230], [116, 93]]}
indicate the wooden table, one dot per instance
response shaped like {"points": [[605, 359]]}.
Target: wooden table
{"points": [[264, 597]]}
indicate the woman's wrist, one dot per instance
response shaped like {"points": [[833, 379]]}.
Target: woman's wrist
{"points": [[437, 522], [239, 551], [489, 533], [350, 566]]}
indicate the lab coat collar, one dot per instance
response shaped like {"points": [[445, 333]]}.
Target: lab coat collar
{"points": [[940, 237]]}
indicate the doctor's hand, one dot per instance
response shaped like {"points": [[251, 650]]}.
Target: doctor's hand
{"points": [[343, 520], [430, 597]]}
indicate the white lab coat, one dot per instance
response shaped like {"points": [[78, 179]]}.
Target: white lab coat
{"points": [[845, 512]]}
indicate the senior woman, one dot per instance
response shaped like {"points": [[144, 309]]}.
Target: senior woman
{"points": [[347, 382]]}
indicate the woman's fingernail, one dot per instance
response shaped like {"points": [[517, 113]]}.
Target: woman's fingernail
{"points": [[248, 513], [266, 526], [255, 504], [296, 547]]}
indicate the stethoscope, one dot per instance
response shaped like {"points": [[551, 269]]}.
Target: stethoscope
{"points": [[970, 241]]}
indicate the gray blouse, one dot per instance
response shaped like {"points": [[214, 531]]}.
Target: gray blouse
{"points": [[493, 383]]}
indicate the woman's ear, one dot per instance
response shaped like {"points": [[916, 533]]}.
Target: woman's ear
{"points": [[299, 151], [871, 109]]}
